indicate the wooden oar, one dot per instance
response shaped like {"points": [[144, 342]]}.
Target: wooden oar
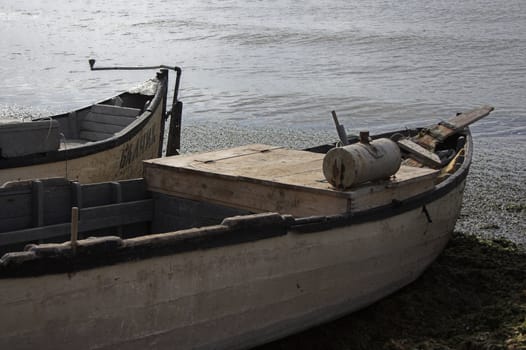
{"points": [[422, 146], [438, 133]]}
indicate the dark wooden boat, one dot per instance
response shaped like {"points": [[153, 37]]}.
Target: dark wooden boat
{"points": [[225, 249], [102, 142]]}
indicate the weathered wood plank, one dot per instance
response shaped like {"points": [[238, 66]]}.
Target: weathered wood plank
{"points": [[109, 119], [90, 219], [34, 234], [44, 136], [94, 136], [103, 121], [262, 162], [115, 110], [16, 223], [407, 182], [215, 156], [462, 120], [73, 126], [441, 131], [273, 180], [15, 205], [100, 127], [422, 154], [134, 189], [243, 193], [117, 198], [96, 194], [38, 203], [56, 201], [115, 215], [172, 213]]}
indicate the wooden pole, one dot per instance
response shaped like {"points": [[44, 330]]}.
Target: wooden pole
{"points": [[340, 129], [174, 133], [74, 228]]}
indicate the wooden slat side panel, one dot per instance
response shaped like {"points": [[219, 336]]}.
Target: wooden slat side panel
{"points": [[90, 219], [73, 126], [15, 223], [100, 127], [104, 121], [172, 213], [96, 194], [247, 195], [17, 203], [133, 190], [115, 110], [94, 136], [115, 215], [406, 183], [13, 205], [109, 119], [34, 234], [56, 203]]}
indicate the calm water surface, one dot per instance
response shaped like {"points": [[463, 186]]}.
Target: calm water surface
{"points": [[279, 63]]}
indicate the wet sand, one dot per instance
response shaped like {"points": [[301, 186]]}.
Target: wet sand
{"points": [[472, 297]]}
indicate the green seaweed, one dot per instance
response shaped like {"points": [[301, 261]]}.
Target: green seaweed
{"points": [[515, 207]]}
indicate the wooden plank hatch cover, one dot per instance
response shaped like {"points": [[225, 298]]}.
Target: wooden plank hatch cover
{"points": [[263, 178]]}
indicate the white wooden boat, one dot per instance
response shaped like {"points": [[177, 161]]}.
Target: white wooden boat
{"points": [[221, 250], [102, 142]]}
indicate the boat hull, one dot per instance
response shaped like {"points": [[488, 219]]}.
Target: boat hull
{"points": [[228, 297]]}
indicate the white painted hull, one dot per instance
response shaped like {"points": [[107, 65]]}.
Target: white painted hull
{"points": [[106, 165], [230, 297]]}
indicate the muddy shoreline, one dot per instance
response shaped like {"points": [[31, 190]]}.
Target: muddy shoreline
{"points": [[472, 297]]}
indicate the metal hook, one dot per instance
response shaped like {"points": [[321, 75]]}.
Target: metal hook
{"points": [[177, 70]]}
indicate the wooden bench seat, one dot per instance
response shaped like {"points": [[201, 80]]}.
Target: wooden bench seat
{"points": [[104, 121]]}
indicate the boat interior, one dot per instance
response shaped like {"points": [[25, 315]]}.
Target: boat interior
{"points": [[95, 123], [40, 211], [198, 194]]}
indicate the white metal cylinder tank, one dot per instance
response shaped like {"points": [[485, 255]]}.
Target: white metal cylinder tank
{"points": [[361, 162]]}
